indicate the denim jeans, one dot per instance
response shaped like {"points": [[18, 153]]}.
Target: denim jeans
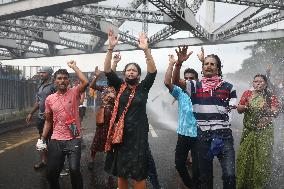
{"points": [[183, 146], [226, 158], [57, 150]]}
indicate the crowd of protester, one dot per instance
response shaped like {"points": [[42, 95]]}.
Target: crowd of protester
{"points": [[122, 126]]}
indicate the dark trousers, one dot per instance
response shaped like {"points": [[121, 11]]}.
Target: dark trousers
{"points": [[184, 145], [152, 171], [226, 158], [57, 150]]}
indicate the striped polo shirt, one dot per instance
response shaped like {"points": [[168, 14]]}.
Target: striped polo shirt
{"points": [[209, 108]]}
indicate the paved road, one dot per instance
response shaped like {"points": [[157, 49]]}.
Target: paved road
{"points": [[18, 154]]}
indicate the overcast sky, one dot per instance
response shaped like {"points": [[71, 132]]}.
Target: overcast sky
{"points": [[232, 55]]}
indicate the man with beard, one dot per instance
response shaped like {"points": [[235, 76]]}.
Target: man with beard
{"points": [[62, 112], [44, 90], [212, 98]]}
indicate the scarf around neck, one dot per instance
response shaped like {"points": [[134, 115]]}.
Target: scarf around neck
{"points": [[211, 83], [115, 131]]}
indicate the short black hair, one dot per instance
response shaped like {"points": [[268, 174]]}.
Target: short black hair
{"points": [[135, 64], [219, 63], [60, 71], [190, 70]]}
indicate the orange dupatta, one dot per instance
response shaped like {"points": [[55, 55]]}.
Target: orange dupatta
{"points": [[115, 131]]}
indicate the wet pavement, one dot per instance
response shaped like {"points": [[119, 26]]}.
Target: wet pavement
{"points": [[18, 155]]}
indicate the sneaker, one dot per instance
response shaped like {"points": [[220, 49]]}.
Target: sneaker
{"points": [[64, 172]]}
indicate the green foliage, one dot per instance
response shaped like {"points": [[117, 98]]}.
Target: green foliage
{"points": [[263, 53]]}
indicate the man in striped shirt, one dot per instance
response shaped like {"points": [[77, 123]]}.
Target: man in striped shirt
{"points": [[187, 130], [212, 99]]}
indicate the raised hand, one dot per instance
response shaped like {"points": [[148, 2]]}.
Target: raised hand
{"points": [[172, 59], [71, 64], [200, 55], [97, 72], [182, 54], [112, 39], [117, 57], [142, 41]]}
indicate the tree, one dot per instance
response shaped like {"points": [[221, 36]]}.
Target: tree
{"points": [[262, 54]]}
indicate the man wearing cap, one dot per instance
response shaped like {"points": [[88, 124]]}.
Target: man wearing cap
{"points": [[45, 88]]}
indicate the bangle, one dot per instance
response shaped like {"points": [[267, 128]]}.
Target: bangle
{"points": [[178, 65]]}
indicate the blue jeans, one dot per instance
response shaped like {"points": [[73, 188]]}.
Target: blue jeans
{"points": [[226, 158]]}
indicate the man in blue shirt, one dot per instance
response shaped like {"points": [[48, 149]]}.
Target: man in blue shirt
{"points": [[187, 130]]}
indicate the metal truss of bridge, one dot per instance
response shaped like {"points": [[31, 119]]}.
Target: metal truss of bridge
{"points": [[38, 28]]}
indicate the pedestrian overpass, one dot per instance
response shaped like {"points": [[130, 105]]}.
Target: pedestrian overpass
{"points": [[41, 28]]}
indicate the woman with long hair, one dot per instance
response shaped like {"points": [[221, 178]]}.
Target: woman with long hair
{"points": [[254, 157], [127, 141]]}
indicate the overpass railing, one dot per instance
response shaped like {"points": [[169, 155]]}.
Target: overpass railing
{"points": [[16, 94]]}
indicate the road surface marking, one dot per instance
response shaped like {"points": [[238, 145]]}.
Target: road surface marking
{"points": [[18, 144], [152, 131]]}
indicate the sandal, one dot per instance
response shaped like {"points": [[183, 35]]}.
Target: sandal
{"points": [[39, 165]]}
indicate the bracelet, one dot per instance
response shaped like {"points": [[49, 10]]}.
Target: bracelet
{"points": [[110, 49], [95, 77], [178, 65]]}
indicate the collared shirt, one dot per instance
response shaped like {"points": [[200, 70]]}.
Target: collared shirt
{"points": [[44, 90], [210, 108], [187, 125], [64, 107]]}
